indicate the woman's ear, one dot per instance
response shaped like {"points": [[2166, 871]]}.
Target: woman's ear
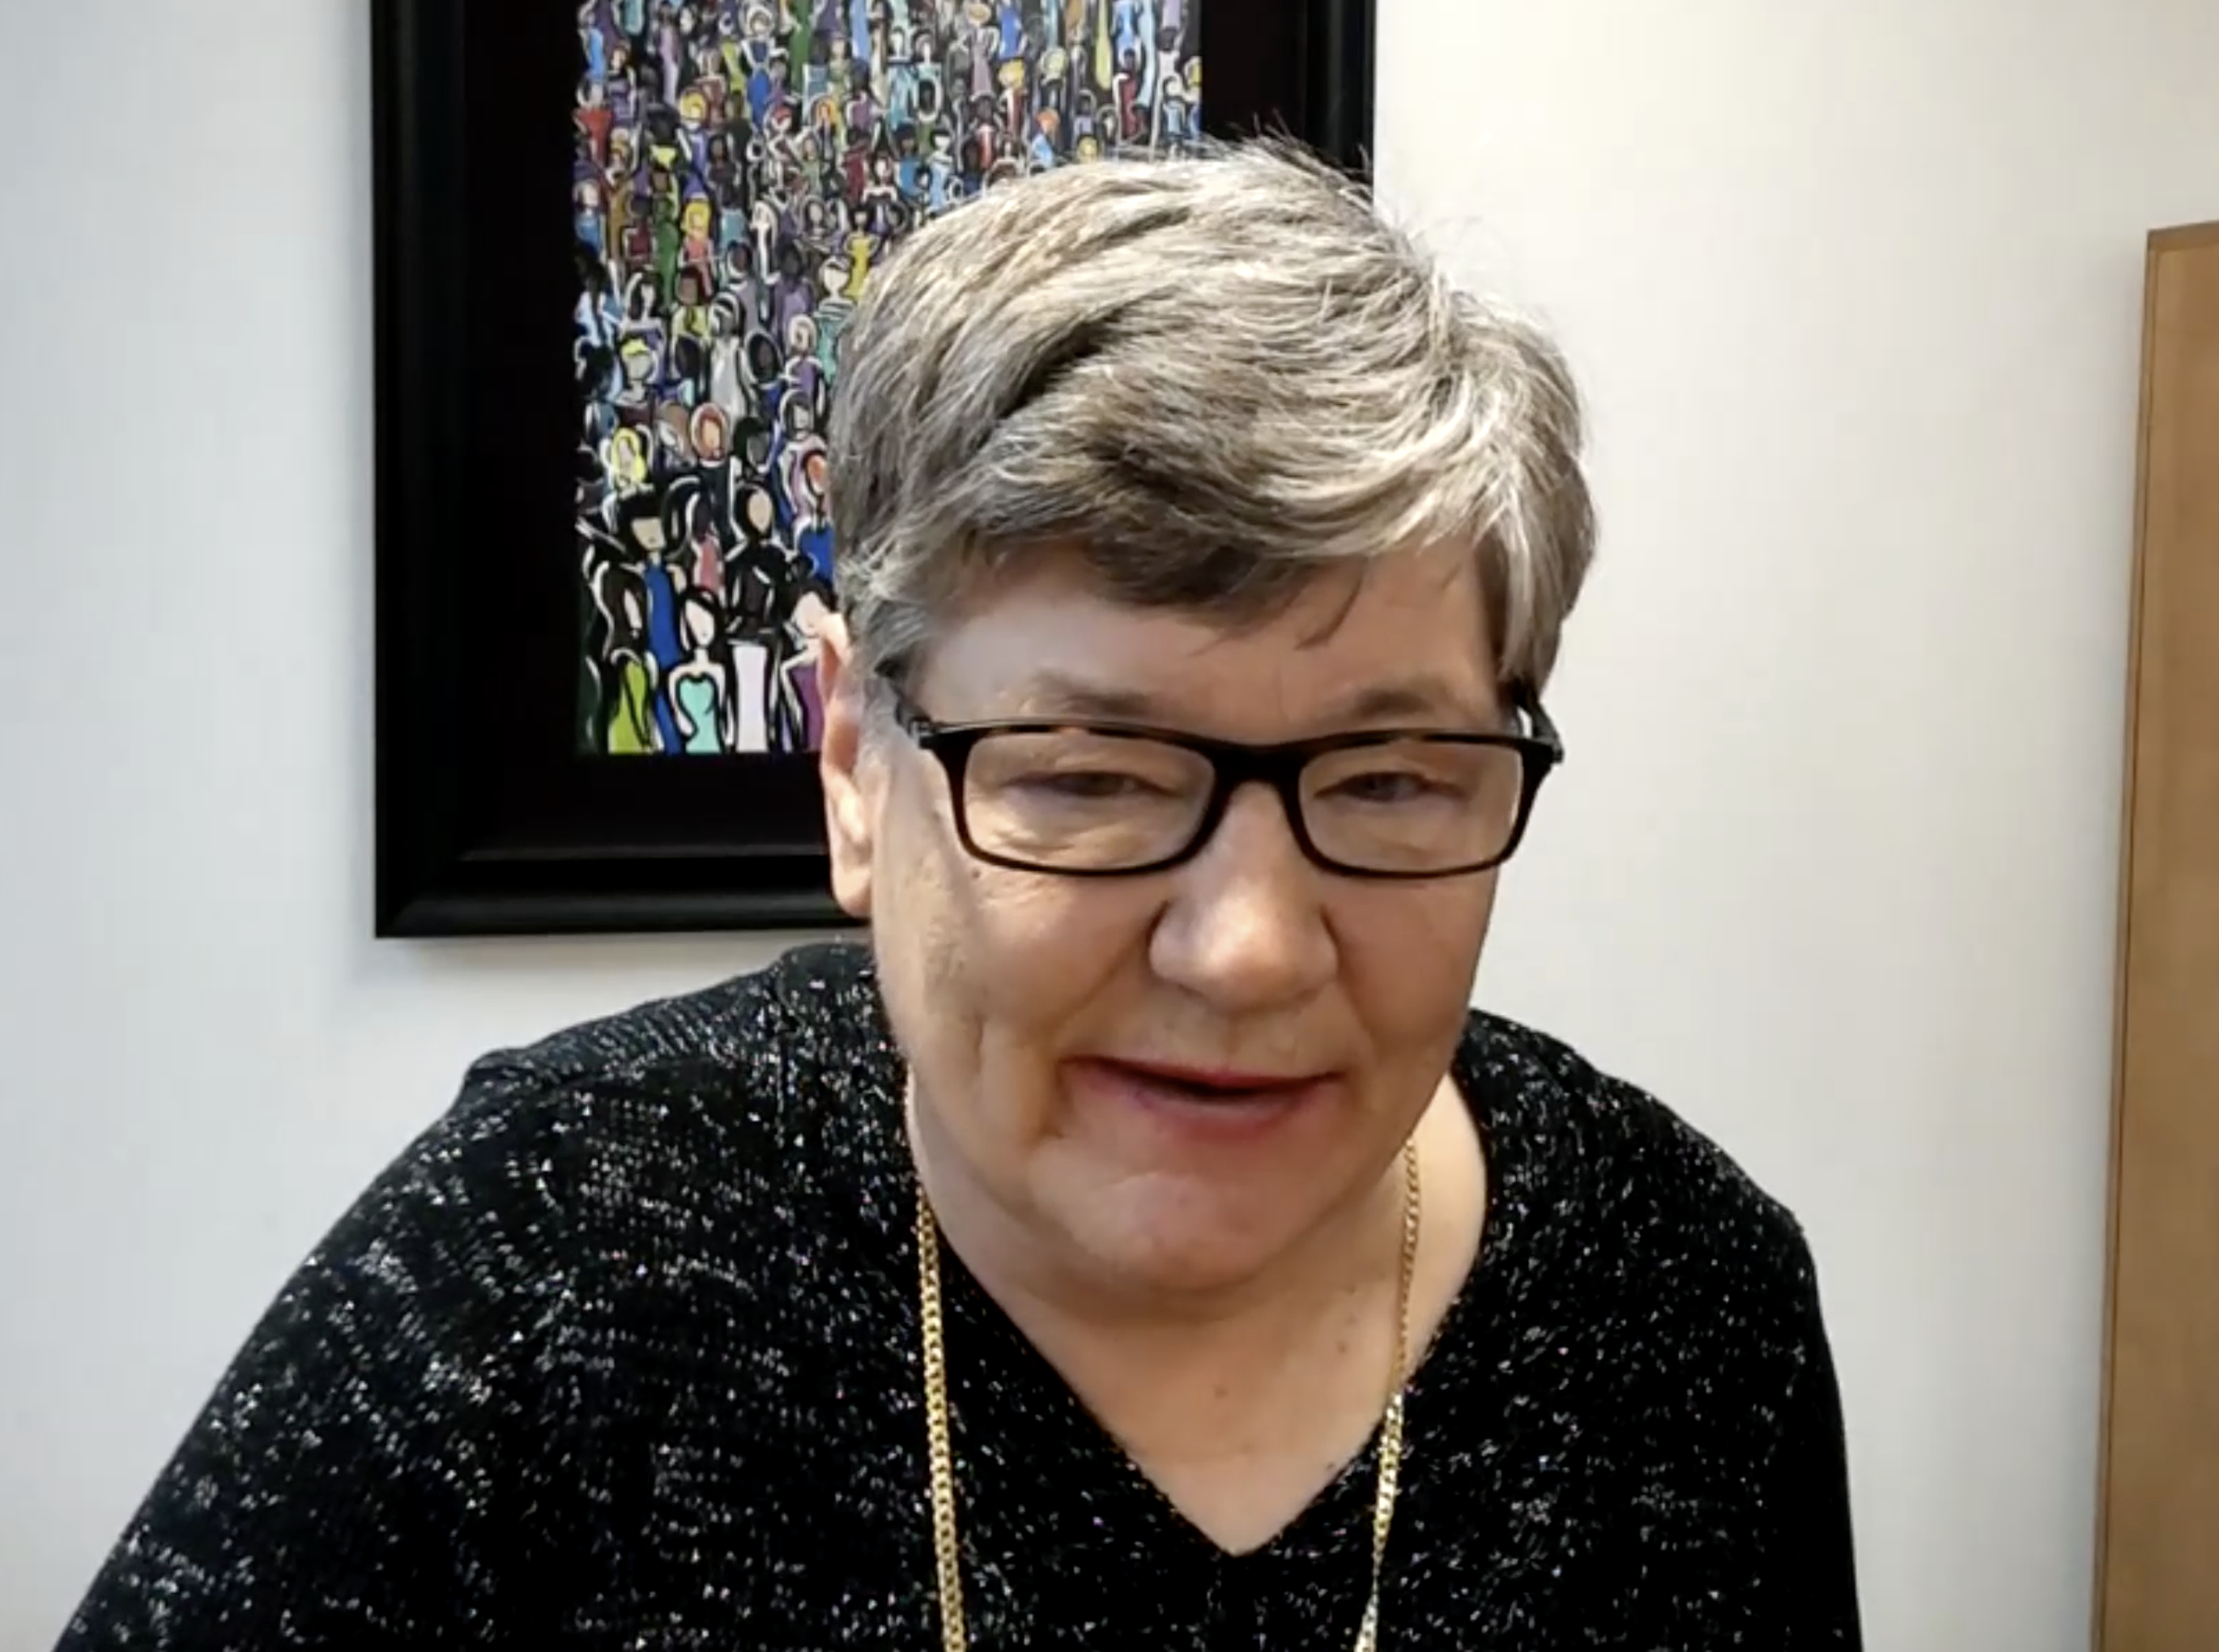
{"points": [[853, 779]]}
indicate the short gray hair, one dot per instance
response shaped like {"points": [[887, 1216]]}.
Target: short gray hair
{"points": [[1213, 376]]}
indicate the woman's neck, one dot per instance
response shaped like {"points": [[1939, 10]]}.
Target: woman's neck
{"points": [[1168, 1367]]}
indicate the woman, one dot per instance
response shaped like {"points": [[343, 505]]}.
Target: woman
{"points": [[1141, 1245]]}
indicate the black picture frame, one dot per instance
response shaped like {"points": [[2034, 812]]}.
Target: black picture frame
{"points": [[488, 820]]}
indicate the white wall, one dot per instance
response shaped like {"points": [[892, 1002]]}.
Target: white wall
{"points": [[1855, 289], [1855, 286]]}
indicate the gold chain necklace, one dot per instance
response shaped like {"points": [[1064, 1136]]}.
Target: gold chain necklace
{"points": [[954, 1638]]}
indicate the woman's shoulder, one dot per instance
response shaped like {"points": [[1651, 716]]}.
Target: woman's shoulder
{"points": [[1603, 1161], [1619, 1232], [738, 1053], [495, 1322], [813, 1005], [659, 1129], [666, 1132], [1650, 1317]]}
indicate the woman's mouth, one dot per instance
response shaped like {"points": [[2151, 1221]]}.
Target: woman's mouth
{"points": [[1213, 1102]]}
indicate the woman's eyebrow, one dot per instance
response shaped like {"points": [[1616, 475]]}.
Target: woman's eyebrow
{"points": [[1422, 696]]}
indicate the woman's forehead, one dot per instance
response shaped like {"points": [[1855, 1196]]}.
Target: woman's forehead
{"points": [[1403, 635]]}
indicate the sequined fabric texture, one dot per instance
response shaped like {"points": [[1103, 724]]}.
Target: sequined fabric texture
{"points": [[623, 1353]]}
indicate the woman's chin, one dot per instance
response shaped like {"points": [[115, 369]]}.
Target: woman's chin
{"points": [[1159, 1237]]}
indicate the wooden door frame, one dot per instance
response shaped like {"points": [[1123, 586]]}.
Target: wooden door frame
{"points": [[2162, 244]]}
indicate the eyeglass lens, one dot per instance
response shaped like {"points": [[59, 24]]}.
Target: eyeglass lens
{"points": [[1090, 801]]}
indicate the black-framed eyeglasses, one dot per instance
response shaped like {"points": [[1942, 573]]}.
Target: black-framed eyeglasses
{"points": [[1093, 800]]}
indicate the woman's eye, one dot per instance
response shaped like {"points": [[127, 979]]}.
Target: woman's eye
{"points": [[1387, 787], [1089, 785]]}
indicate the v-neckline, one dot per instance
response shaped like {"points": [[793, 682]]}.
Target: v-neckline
{"points": [[1095, 1451]]}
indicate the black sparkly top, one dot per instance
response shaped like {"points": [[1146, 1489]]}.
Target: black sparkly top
{"points": [[623, 1353]]}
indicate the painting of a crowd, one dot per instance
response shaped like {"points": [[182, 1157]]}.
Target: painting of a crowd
{"points": [[741, 166]]}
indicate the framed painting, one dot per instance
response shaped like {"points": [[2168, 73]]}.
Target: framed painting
{"points": [[616, 243]]}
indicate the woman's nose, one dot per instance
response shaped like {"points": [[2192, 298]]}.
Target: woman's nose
{"points": [[1245, 929]]}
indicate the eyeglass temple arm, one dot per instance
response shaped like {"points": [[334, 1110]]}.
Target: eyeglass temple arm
{"points": [[1528, 704]]}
